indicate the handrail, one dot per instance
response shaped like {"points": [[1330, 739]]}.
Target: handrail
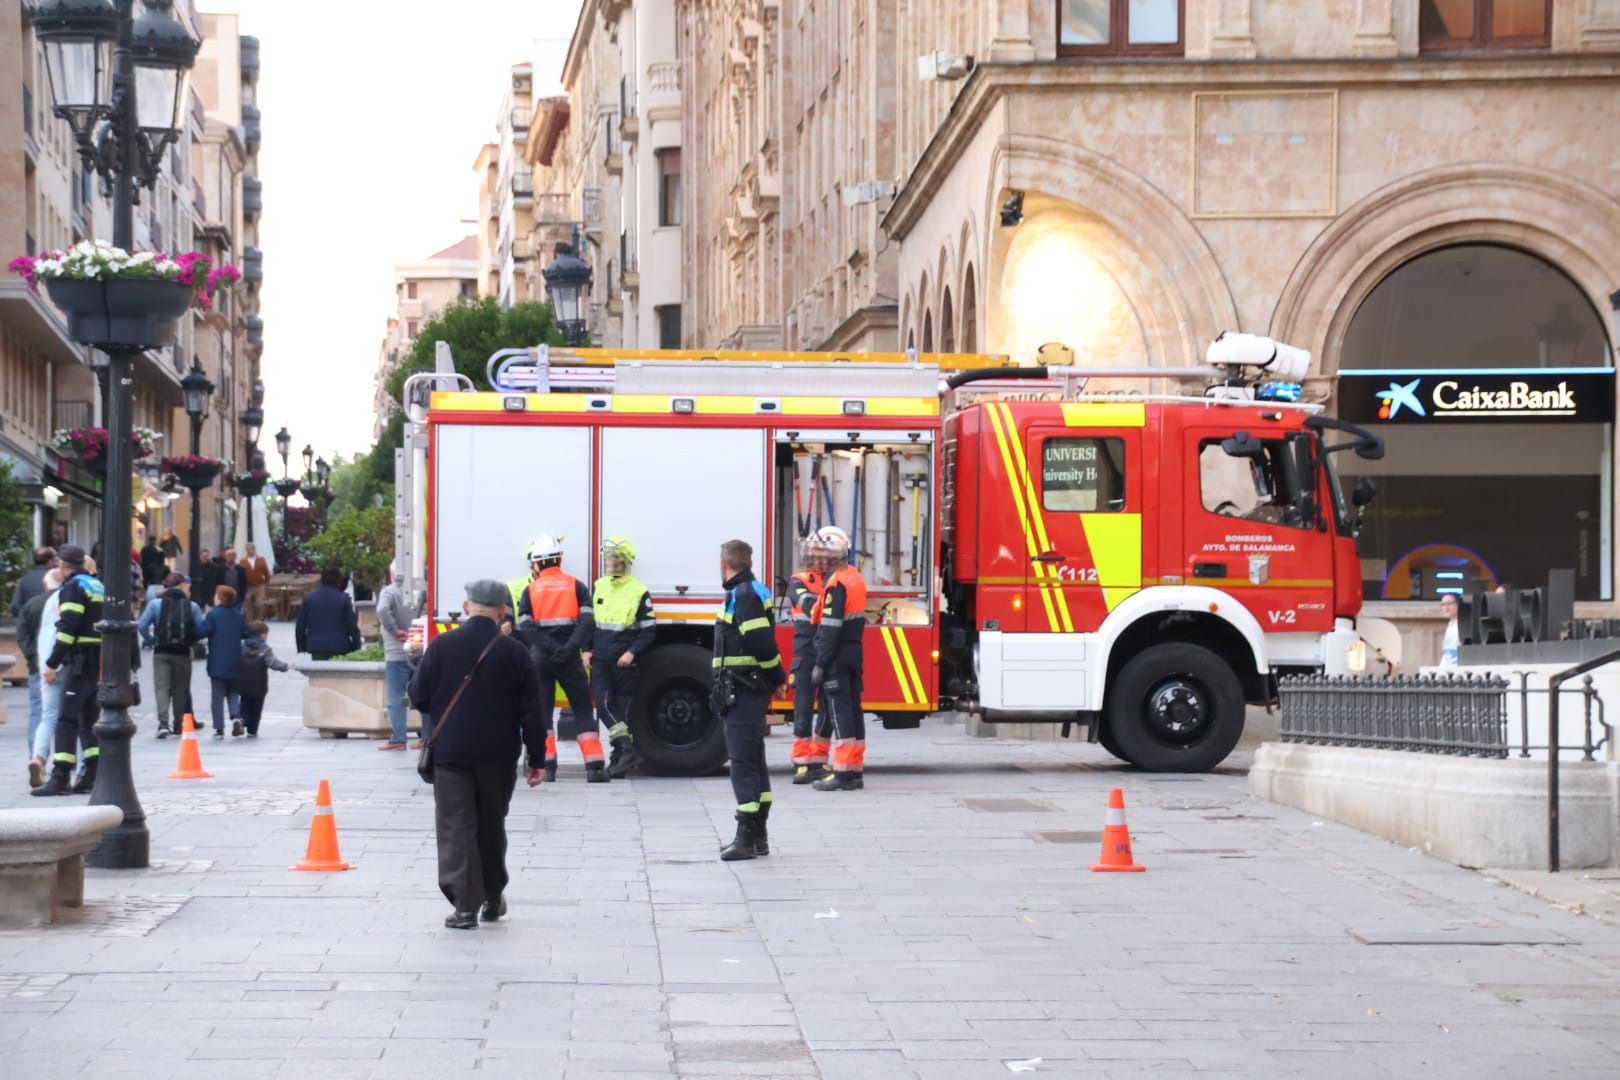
{"points": [[1554, 682]]}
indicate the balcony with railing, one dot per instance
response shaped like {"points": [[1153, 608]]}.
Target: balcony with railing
{"points": [[590, 207], [519, 119], [72, 414], [629, 123], [664, 84], [523, 188], [629, 274], [551, 208]]}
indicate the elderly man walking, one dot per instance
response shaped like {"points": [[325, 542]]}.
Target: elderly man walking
{"points": [[478, 685]]}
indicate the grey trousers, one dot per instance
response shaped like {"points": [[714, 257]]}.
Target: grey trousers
{"points": [[469, 815], [172, 673]]}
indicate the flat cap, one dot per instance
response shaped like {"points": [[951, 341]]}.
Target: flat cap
{"points": [[488, 592], [72, 554]]}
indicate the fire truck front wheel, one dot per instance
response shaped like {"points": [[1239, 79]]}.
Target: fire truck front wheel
{"points": [[1175, 708], [674, 728]]}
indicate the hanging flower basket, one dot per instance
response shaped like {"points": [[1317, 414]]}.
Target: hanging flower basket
{"points": [[286, 488], [252, 483], [116, 299], [192, 472], [88, 446]]}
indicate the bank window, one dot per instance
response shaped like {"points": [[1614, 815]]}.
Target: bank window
{"points": [[1083, 476], [1449, 25], [1120, 27], [1264, 487]]}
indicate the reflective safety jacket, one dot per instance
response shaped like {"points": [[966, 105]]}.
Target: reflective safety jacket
{"points": [[624, 618], [744, 643], [556, 610], [82, 599], [841, 619], [516, 587], [804, 594]]}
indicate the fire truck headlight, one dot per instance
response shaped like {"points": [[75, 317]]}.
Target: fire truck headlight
{"points": [[854, 407], [514, 403], [1018, 603], [683, 405], [1355, 657]]}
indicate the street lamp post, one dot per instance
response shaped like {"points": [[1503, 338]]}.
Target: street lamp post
{"points": [[568, 282], [198, 389], [120, 83], [288, 485], [252, 421]]}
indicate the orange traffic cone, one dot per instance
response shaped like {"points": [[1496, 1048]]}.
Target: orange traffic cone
{"points": [[189, 767], [322, 853], [1116, 842]]}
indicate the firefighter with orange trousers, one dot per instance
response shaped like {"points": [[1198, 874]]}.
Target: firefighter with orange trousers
{"points": [[812, 729], [840, 624], [554, 619]]}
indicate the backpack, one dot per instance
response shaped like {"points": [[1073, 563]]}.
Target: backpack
{"points": [[174, 629]]}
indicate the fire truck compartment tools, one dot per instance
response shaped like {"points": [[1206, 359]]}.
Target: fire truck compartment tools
{"points": [[915, 482]]}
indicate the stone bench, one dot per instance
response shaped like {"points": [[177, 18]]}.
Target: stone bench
{"points": [[42, 860]]}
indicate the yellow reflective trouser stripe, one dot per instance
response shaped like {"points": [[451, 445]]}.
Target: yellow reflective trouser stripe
{"points": [[754, 624], [1017, 492], [69, 605], [618, 731], [748, 807], [64, 637], [1038, 519], [766, 797], [91, 752], [745, 661]]}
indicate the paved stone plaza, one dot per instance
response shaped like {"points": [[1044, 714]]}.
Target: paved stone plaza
{"points": [[941, 924]]}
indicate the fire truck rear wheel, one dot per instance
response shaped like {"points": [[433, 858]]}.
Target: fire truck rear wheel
{"points": [[1175, 708], [674, 728]]}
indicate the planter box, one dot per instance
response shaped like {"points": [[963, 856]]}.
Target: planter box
{"points": [[365, 613], [136, 313], [16, 672], [348, 698]]}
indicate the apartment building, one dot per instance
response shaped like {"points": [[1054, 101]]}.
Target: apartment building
{"points": [[422, 289], [46, 381]]}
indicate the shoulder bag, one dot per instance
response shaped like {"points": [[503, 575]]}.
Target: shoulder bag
{"points": [[424, 762]]}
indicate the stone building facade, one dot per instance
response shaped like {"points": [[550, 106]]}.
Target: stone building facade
{"points": [[422, 289]]}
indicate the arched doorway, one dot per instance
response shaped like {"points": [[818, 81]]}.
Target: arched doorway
{"points": [[970, 318], [1490, 376], [928, 332], [947, 324]]}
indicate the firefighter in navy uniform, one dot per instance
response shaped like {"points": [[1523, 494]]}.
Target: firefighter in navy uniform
{"points": [[747, 669], [841, 621], [625, 627], [554, 620], [812, 729], [76, 660]]}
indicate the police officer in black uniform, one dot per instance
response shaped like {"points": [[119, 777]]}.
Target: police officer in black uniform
{"points": [[76, 660], [747, 668]]}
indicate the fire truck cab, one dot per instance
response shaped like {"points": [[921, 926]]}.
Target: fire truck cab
{"points": [[1144, 566]]}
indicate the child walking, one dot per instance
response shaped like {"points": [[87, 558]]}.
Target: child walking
{"points": [[253, 675]]}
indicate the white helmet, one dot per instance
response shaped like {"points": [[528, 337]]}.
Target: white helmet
{"points": [[834, 541], [545, 547]]}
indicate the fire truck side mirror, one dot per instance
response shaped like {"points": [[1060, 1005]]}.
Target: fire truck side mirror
{"points": [[1364, 492], [1243, 445]]}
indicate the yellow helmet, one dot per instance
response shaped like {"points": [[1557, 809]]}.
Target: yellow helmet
{"points": [[619, 547]]}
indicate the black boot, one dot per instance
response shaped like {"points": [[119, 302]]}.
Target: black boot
{"points": [[747, 833], [551, 772], [840, 781], [809, 774], [87, 779], [624, 758], [58, 782], [595, 773], [762, 843]]}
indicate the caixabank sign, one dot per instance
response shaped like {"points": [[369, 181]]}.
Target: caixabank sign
{"points": [[1482, 395]]}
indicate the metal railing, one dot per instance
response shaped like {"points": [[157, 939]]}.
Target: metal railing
{"points": [[1554, 685], [69, 415], [1464, 716]]}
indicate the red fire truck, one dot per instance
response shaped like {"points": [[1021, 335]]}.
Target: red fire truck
{"points": [[1141, 565]]}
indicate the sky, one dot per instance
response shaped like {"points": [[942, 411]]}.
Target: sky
{"points": [[373, 114]]}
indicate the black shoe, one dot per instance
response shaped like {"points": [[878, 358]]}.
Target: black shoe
{"points": [[493, 910], [551, 774], [461, 920], [762, 843], [163, 731], [58, 782], [87, 779], [596, 773], [253, 734], [237, 730], [747, 835], [809, 774], [848, 781], [219, 733], [625, 757]]}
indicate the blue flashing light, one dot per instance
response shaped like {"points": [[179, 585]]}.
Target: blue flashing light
{"points": [[1280, 391]]}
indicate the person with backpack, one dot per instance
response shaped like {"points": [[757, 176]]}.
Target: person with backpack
{"points": [[253, 675], [170, 626]]}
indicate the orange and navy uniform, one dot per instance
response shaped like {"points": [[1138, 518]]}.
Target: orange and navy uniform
{"points": [[554, 618], [812, 738], [840, 623]]}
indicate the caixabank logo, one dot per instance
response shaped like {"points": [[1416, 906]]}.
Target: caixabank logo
{"points": [[1488, 396]]}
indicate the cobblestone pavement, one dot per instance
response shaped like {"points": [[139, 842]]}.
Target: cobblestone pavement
{"points": [[941, 924]]}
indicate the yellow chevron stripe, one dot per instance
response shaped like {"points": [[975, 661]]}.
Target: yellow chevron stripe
{"points": [[1018, 503], [911, 663], [1038, 519], [886, 633]]}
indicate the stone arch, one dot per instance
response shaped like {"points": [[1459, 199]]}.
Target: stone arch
{"points": [[947, 322], [1139, 235], [1572, 226], [970, 310]]}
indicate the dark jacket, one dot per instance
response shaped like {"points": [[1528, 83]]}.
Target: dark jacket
{"points": [[28, 630], [234, 575], [31, 585], [208, 579], [253, 674], [158, 609], [327, 623], [498, 715], [225, 628], [76, 633], [153, 568], [744, 641]]}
